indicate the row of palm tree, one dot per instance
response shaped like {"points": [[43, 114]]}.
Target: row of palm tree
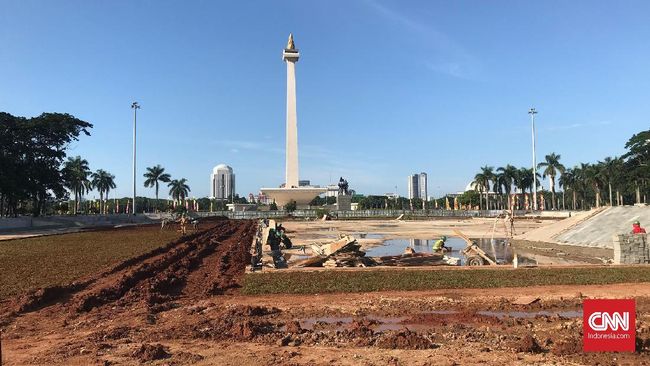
{"points": [[178, 188], [503, 180], [585, 182], [79, 179]]}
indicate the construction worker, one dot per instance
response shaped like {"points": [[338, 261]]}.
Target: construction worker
{"points": [[274, 239], [183, 224], [637, 229], [439, 245]]}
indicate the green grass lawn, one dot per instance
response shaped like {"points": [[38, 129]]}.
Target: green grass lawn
{"points": [[311, 282], [58, 259]]}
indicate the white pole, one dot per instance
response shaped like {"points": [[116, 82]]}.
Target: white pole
{"points": [[532, 113], [135, 107]]}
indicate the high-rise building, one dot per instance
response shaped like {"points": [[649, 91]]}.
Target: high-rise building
{"points": [[413, 186], [423, 186], [222, 182], [417, 186]]}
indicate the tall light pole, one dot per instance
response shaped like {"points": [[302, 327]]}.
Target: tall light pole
{"points": [[532, 113], [135, 106]]}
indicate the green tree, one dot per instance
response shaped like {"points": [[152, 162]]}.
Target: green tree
{"points": [[273, 206], [482, 182], [290, 206], [567, 180], [608, 171], [154, 176], [637, 160], [179, 189], [551, 168], [592, 177], [32, 151], [507, 178], [103, 181], [76, 173]]}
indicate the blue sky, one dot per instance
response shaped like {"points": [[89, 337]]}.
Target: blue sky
{"points": [[385, 88]]}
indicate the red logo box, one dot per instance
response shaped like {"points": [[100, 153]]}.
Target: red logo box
{"points": [[609, 325]]}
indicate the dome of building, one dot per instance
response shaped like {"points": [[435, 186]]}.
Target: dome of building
{"points": [[221, 167]]}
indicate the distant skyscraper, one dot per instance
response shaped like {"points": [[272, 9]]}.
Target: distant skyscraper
{"points": [[222, 182], [413, 186], [417, 186], [423, 186]]}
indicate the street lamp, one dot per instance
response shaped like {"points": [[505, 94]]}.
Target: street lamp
{"points": [[532, 113], [135, 106]]}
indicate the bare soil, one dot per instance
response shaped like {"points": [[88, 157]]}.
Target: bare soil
{"points": [[180, 305]]}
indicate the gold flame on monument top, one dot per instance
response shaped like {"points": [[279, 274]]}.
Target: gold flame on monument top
{"points": [[290, 44]]}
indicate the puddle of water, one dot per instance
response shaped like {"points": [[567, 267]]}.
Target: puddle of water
{"points": [[532, 314], [397, 323], [497, 248]]}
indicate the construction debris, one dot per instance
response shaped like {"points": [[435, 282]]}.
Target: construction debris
{"points": [[345, 252], [344, 243]]}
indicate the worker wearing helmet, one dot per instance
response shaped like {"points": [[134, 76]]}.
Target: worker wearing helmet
{"points": [[439, 245], [637, 229]]}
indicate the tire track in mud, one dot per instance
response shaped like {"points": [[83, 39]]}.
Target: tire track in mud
{"points": [[156, 276], [162, 278], [222, 271]]}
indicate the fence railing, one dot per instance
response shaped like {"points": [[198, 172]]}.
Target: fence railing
{"points": [[354, 214]]}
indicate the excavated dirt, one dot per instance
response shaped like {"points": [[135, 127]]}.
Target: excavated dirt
{"points": [[180, 305]]}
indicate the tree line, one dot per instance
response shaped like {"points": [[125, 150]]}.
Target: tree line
{"points": [[37, 177], [622, 180]]}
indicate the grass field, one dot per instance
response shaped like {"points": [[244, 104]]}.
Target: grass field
{"points": [[312, 282], [51, 260]]}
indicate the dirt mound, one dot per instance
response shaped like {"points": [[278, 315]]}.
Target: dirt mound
{"points": [[527, 344], [43, 297], [187, 358], [568, 346], [293, 327], [151, 352], [404, 339]]}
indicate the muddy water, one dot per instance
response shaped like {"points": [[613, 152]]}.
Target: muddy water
{"points": [[397, 323], [497, 248]]}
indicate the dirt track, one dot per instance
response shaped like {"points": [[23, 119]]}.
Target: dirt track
{"points": [[179, 305]]}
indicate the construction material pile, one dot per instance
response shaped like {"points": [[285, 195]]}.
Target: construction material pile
{"points": [[345, 252]]}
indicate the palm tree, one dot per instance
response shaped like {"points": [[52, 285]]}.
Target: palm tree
{"points": [[508, 177], [178, 189], [521, 180], [75, 172], [104, 182], [499, 186], [482, 182], [568, 181], [593, 177], [524, 180], [551, 167], [154, 175], [608, 169]]}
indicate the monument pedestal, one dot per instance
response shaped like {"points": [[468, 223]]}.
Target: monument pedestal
{"points": [[344, 202], [302, 195]]}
